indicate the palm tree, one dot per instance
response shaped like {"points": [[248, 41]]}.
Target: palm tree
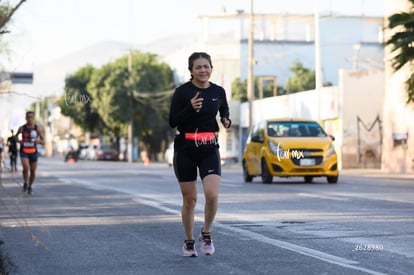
{"points": [[402, 45]]}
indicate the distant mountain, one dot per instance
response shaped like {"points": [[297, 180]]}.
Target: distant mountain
{"points": [[168, 45], [48, 79]]}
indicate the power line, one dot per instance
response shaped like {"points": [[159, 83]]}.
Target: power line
{"points": [[19, 93]]}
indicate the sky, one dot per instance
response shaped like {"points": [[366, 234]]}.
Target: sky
{"points": [[44, 30]]}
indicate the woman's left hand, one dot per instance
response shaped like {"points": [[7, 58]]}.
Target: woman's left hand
{"points": [[226, 122]]}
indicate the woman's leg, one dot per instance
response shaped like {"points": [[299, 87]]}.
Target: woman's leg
{"points": [[211, 185], [189, 192]]}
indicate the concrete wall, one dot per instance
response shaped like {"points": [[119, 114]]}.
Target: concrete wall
{"points": [[362, 97]]}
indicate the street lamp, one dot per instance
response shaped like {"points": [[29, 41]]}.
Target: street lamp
{"points": [[250, 63]]}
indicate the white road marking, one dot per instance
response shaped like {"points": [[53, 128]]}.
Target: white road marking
{"points": [[158, 204], [327, 196]]}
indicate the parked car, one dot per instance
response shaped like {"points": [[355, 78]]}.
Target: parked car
{"points": [[106, 152], [289, 148], [169, 154]]}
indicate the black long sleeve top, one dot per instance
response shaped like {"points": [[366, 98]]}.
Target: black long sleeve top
{"points": [[187, 120]]}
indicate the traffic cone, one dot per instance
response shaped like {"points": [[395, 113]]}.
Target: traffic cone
{"points": [[147, 161]]}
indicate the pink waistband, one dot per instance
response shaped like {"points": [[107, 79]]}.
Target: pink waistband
{"points": [[201, 136]]}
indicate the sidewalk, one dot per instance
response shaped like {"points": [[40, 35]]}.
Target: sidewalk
{"points": [[357, 172], [376, 173]]}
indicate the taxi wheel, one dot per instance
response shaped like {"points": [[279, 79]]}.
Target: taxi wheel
{"points": [[246, 176], [266, 177], [333, 179]]}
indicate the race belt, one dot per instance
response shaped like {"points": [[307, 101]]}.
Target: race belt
{"points": [[201, 136]]}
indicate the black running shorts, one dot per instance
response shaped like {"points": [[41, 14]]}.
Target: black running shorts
{"points": [[186, 163]]}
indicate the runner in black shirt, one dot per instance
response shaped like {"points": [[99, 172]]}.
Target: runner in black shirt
{"points": [[193, 111], [12, 143]]}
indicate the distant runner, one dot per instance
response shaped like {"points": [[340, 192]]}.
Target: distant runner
{"points": [[31, 136], [12, 143]]}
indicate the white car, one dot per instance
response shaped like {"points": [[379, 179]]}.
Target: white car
{"points": [[87, 152], [169, 154], [91, 152]]}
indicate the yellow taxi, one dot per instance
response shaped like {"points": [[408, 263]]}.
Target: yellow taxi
{"points": [[289, 147]]}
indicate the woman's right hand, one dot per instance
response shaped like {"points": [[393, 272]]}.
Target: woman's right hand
{"points": [[197, 102]]}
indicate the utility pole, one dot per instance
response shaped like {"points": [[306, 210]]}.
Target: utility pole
{"points": [[250, 76], [318, 66], [317, 38], [131, 122]]}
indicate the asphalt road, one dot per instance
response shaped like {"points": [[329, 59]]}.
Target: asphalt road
{"points": [[120, 218]]}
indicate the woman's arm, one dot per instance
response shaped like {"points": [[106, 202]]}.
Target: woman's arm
{"points": [[224, 111], [179, 110]]}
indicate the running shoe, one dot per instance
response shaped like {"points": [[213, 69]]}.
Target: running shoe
{"points": [[189, 249], [207, 246], [24, 189], [29, 190]]}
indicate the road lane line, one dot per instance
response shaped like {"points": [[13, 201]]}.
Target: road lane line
{"points": [[158, 204], [323, 196], [332, 259], [230, 185]]}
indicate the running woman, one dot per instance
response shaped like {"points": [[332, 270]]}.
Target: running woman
{"points": [[32, 135], [193, 111]]}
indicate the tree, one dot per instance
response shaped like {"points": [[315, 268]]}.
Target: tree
{"points": [[109, 98], [152, 85], [239, 89], [6, 12], [303, 79], [106, 99], [76, 101], [402, 45], [120, 95]]}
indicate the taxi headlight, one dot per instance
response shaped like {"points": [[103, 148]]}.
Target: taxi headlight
{"points": [[330, 152], [275, 148]]}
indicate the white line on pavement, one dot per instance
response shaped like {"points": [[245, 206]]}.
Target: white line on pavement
{"points": [[158, 204]]}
